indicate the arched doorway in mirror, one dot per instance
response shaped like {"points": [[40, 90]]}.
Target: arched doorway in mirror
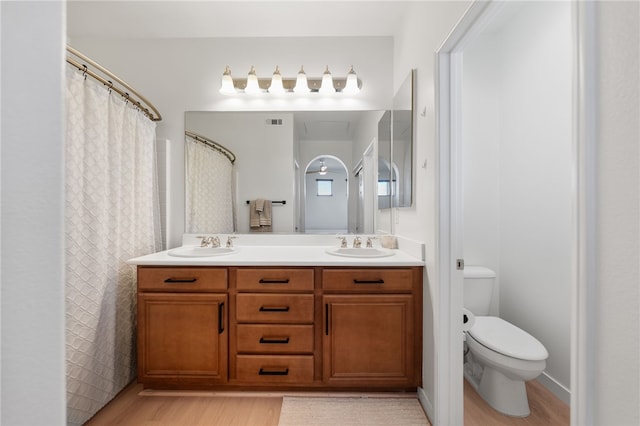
{"points": [[326, 196]]}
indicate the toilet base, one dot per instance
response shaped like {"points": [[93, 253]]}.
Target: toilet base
{"points": [[504, 394]]}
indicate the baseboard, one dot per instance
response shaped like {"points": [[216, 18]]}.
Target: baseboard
{"points": [[427, 406], [556, 388]]}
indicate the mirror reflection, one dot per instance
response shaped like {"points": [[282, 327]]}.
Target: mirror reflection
{"points": [[318, 165], [402, 145]]}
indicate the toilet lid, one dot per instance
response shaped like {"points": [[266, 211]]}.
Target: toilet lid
{"points": [[507, 339]]}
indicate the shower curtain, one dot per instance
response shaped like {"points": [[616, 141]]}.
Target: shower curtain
{"points": [[111, 215], [209, 189]]}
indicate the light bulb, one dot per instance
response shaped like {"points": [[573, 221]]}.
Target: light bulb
{"points": [[351, 87], [226, 86], [327, 82], [301, 82], [252, 82], [276, 82]]}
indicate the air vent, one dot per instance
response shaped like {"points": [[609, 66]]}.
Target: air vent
{"points": [[274, 121]]}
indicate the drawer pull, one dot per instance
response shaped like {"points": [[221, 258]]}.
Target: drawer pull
{"points": [[221, 319], [379, 281], [275, 340], [264, 372], [274, 281], [180, 280], [274, 309]]}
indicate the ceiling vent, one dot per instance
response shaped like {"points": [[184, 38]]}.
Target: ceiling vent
{"points": [[274, 121]]}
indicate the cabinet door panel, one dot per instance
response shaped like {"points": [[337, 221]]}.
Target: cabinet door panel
{"points": [[368, 340], [182, 336]]}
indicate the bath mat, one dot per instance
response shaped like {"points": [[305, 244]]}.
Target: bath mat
{"points": [[355, 411]]}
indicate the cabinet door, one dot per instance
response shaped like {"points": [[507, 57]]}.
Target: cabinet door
{"points": [[368, 340], [182, 338]]}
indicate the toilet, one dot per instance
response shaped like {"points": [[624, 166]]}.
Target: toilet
{"points": [[500, 357]]}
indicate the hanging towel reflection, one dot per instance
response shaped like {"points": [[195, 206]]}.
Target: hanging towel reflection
{"points": [[260, 215]]}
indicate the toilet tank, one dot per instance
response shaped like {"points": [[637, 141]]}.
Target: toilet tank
{"points": [[478, 289]]}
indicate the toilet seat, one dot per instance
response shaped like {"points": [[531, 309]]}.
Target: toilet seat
{"points": [[507, 339]]}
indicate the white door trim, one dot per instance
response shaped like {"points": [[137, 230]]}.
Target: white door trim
{"points": [[448, 395]]}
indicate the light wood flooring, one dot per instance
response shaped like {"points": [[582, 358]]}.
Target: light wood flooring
{"points": [[134, 406]]}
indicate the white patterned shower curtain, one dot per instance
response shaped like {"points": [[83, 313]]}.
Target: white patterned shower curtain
{"points": [[209, 187], [111, 215]]}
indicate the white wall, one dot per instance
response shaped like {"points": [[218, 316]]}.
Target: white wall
{"points": [[32, 390], [617, 317], [263, 166], [180, 75], [518, 184], [426, 27]]}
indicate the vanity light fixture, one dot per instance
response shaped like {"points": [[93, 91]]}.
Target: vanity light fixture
{"points": [[278, 84], [252, 85], [327, 82], [351, 87], [301, 82], [226, 87]]}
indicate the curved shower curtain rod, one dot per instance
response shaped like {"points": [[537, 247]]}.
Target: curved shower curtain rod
{"points": [[215, 145], [107, 78]]}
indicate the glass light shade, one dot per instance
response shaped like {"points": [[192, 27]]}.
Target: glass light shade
{"points": [[301, 82], [226, 86], [252, 82], [327, 82], [351, 86], [276, 82]]}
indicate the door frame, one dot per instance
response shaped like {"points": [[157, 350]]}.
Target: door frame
{"points": [[448, 395]]}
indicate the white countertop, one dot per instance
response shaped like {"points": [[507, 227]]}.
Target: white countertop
{"points": [[283, 252]]}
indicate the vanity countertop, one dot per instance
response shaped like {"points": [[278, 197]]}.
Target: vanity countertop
{"points": [[283, 253]]}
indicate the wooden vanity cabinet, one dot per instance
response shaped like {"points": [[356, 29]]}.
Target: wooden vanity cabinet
{"points": [[182, 326], [372, 327], [273, 339]]}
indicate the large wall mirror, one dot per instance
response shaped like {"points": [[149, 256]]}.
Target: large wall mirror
{"points": [[402, 143], [317, 168], [395, 150]]}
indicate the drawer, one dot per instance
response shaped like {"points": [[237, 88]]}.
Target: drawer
{"points": [[367, 280], [274, 308], [273, 369], [262, 338], [191, 279], [277, 279]]}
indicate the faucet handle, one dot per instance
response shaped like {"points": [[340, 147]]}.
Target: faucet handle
{"points": [[230, 241], [370, 241], [205, 241], [343, 241]]}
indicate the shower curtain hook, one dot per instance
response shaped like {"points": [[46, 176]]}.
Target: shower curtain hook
{"points": [[109, 86], [84, 71], [126, 97]]}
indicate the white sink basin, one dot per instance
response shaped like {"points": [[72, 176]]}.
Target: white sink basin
{"points": [[196, 251], [361, 252]]}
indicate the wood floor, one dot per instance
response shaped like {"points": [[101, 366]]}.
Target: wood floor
{"points": [[137, 407]]}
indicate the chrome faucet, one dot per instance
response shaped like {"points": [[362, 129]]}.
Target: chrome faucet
{"points": [[370, 242], [210, 242], [357, 242], [343, 242], [230, 241]]}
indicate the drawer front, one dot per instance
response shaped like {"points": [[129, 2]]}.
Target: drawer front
{"points": [[274, 308], [262, 338], [367, 280], [274, 369], [182, 279], [280, 279]]}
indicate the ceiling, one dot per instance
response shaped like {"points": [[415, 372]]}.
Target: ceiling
{"points": [[214, 18]]}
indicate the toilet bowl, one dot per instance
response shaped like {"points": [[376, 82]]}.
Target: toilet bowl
{"points": [[501, 358]]}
